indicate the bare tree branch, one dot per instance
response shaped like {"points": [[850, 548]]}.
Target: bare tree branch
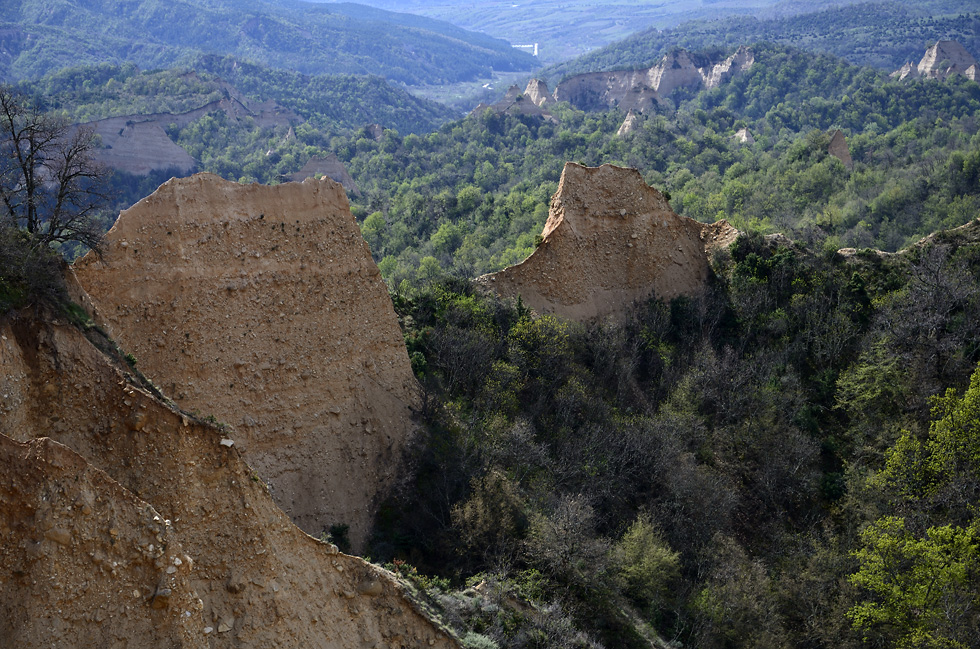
{"points": [[50, 184]]}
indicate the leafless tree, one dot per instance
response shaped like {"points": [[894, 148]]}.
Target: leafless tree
{"points": [[50, 183]]}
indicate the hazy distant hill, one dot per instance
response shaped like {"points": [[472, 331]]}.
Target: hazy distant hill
{"points": [[38, 36], [883, 35]]}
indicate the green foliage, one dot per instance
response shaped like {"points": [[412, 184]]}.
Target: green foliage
{"points": [[924, 588], [474, 194], [644, 563], [476, 641], [920, 568]]}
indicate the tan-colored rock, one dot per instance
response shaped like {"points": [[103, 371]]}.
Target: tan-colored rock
{"points": [[676, 70], [516, 103], [163, 526], [610, 240], [907, 71], [630, 124], [641, 90], [83, 588], [138, 146], [627, 89], [537, 91], [839, 149], [744, 136], [329, 166], [262, 307], [720, 73], [943, 59]]}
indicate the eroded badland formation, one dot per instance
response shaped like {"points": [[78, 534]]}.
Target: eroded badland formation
{"points": [[942, 60], [610, 239], [128, 521], [641, 90], [262, 307]]}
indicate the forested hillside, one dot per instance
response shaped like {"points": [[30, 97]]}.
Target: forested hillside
{"points": [[40, 37], [471, 197], [332, 103], [882, 35], [787, 459]]}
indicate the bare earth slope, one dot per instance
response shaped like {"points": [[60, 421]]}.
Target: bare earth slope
{"points": [[175, 542], [262, 306], [641, 90], [610, 239]]}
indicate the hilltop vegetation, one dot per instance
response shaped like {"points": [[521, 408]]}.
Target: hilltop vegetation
{"points": [[332, 103], [881, 35], [471, 197], [754, 466], [308, 38], [786, 460]]}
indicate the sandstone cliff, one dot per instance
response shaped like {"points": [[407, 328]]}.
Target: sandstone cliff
{"points": [[943, 59], [515, 103], [630, 124], [262, 307], [610, 239], [744, 136], [537, 92], [129, 523], [640, 90]]}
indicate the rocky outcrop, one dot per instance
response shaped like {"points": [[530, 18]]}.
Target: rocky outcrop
{"points": [[720, 73], [262, 307], [537, 91], [943, 59], [641, 90], [839, 149], [610, 239], [907, 71], [330, 167], [627, 89], [515, 103], [630, 124], [128, 522], [744, 136]]}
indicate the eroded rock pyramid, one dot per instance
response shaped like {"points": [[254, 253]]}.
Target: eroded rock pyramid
{"points": [[610, 239], [262, 307], [127, 523]]}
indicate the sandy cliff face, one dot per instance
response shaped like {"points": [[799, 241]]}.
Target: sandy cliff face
{"points": [[610, 239], [136, 525], [943, 59], [537, 92], [641, 90], [628, 89], [516, 103], [739, 62], [262, 307]]}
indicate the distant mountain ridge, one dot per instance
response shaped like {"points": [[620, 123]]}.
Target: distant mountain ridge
{"points": [[37, 37], [882, 35]]}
